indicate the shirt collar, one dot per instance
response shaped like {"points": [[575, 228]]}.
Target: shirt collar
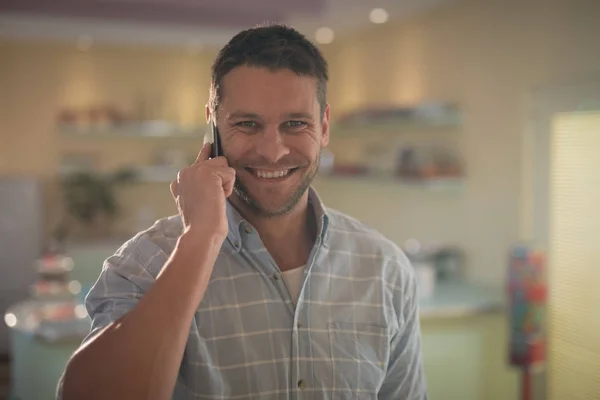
{"points": [[238, 226]]}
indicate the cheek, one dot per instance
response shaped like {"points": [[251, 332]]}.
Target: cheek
{"points": [[319, 139], [234, 146], [308, 139], [314, 146]]}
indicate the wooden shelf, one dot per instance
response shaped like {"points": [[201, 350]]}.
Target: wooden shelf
{"points": [[156, 174], [142, 146], [437, 184], [147, 131], [145, 174], [396, 127]]}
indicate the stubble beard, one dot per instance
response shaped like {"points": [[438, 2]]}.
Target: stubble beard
{"points": [[259, 210]]}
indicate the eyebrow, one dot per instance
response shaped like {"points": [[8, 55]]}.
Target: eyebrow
{"points": [[299, 115], [242, 114], [250, 115]]}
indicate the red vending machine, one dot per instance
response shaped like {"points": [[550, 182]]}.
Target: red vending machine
{"points": [[527, 291]]}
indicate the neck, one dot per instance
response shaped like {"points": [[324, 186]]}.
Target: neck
{"points": [[288, 238]]}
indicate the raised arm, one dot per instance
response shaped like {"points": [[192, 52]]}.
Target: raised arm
{"points": [[141, 324]]}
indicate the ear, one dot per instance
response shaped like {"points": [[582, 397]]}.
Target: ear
{"points": [[207, 112], [325, 127]]}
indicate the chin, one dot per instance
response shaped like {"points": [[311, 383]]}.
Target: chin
{"points": [[271, 208], [272, 202]]}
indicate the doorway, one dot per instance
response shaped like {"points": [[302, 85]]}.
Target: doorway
{"points": [[574, 257], [562, 215]]}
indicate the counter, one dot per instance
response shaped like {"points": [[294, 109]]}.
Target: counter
{"points": [[464, 332], [461, 299]]}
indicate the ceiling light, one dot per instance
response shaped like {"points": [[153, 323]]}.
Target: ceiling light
{"points": [[324, 35], [378, 16], [84, 42]]}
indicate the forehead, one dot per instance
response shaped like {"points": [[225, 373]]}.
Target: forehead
{"points": [[262, 91]]}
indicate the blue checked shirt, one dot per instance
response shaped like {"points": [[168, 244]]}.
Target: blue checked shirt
{"points": [[353, 334]]}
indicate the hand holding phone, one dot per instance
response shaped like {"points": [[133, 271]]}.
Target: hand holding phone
{"points": [[201, 189]]}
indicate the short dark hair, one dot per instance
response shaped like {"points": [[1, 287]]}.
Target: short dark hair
{"points": [[272, 46]]}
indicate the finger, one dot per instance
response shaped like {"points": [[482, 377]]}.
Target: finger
{"points": [[204, 153], [228, 187], [174, 189], [228, 181], [218, 162]]}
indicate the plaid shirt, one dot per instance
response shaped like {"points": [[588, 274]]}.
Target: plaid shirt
{"points": [[353, 334]]}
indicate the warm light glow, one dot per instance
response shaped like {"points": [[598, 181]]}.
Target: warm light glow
{"points": [[10, 319], [84, 42], [74, 287], [378, 16], [80, 311], [324, 35]]}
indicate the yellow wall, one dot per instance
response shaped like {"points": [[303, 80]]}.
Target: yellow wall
{"points": [[487, 56], [39, 79]]}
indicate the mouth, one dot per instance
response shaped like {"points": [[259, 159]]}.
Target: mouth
{"points": [[271, 175]]}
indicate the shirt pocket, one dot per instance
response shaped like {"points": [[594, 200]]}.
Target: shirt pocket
{"points": [[359, 356]]}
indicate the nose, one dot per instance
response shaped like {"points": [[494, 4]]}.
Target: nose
{"points": [[271, 145]]}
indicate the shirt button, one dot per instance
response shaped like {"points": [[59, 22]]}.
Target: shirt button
{"points": [[302, 384], [247, 228], [299, 325], [276, 276]]}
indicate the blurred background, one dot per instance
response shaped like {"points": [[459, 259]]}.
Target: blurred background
{"points": [[467, 131]]}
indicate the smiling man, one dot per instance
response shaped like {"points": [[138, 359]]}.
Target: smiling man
{"points": [[255, 290]]}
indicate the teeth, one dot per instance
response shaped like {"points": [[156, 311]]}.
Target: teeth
{"points": [[271, 174]]}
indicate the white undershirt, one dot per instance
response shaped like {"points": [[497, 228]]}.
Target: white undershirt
{"points": [[293, 281]]}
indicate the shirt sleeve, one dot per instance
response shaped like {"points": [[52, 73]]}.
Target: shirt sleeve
{"points": [[122, 282], [405, 377]]}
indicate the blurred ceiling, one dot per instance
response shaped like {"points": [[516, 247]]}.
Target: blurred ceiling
{"points": [[177, 22], [212, 13]]}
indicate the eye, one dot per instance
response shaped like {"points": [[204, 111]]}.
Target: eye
{"points": [[246, 124], [294, 124]]}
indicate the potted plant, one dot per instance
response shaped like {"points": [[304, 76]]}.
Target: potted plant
{"points": [[90, 201]]}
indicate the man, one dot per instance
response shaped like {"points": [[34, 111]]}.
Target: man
{"points": [[255, 290]]}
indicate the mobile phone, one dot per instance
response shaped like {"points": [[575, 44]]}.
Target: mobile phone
{"points": [[215, 140]]}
